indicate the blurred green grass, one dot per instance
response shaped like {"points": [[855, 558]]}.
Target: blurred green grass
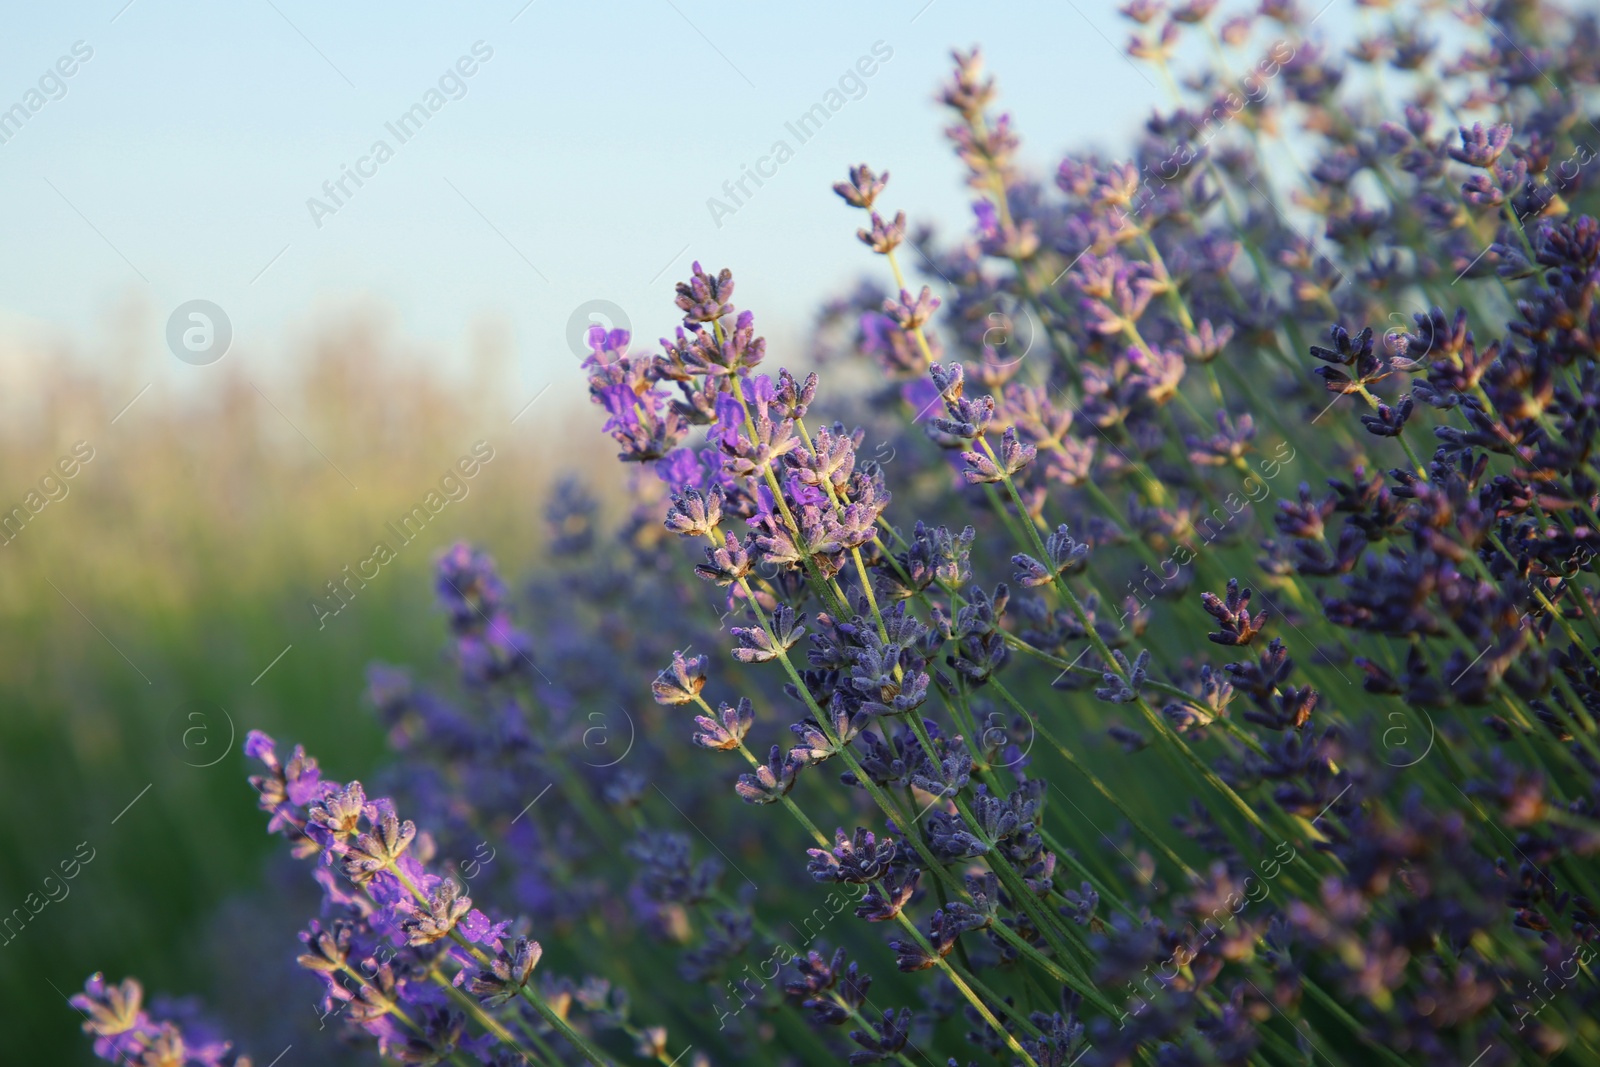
{"points": [[176, 568]]}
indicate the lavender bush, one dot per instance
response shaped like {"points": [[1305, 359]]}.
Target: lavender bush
{"points": [[1203, 669]]}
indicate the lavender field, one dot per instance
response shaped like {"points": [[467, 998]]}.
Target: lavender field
{"points": [[1140, 610]]}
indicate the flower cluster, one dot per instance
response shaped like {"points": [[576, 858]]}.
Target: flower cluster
{"points": [[125, 1032]]}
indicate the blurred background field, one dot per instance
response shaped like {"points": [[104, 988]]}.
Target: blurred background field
{"points": [[161, 587]]}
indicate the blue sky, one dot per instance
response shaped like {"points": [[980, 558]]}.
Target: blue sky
{"points": [[576, 166]]}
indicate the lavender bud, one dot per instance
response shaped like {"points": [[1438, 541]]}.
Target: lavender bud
{"points": [[682, 681], [1481, 146], [863, 187]]}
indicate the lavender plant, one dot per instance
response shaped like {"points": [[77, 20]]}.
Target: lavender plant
{"points": [[1207, 674]]}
